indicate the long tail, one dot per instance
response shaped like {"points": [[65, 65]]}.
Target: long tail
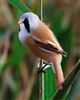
{"points": [[59, 75]]}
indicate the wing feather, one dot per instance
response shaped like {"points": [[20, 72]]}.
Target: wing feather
{"points": [[48, 46]]}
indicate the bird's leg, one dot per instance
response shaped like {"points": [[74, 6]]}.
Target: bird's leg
{"points": [[41, 69], [40, 66]]}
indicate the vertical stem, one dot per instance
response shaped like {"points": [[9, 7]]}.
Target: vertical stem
{"points": [[41, 10], [42, 76]]}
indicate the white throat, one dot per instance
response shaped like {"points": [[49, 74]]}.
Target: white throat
{"points": [[33, 22]]}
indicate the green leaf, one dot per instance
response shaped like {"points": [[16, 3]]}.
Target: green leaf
{"points": [[49, 84], [19, 5], [74, 92], [67, 83]]}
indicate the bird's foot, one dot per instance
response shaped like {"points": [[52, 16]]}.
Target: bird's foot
{"points": [[42, 69]]}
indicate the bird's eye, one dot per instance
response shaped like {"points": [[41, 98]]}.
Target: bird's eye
{"points": [[26, 24]]}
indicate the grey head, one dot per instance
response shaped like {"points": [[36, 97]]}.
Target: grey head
{"points": [[28, 22]]}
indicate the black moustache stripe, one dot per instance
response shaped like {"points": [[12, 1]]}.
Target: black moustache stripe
{"points": [[19, 28], [26, 24]]}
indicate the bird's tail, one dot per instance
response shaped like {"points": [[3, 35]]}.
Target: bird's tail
{"points": [[59, 75]]}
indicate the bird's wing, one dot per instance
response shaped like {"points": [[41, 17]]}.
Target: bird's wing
{"points": [[48, 46]]}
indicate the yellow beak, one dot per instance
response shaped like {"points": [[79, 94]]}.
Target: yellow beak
{"points": [[19, 22]]}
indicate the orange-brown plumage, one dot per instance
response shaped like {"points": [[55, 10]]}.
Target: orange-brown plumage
{"points": [[52, 57], [42, 42]]}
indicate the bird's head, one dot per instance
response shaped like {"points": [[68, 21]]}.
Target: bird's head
{"points": [[28, 22]]}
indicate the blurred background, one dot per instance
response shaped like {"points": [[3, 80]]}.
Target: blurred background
{"points": [[16, 63]]}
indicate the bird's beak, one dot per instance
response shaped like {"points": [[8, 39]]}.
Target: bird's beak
{"points": [[19, 22]]}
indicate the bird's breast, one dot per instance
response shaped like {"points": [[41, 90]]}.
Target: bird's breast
{"points": [[36, 50]]}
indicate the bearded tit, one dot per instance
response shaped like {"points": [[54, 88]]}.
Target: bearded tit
{"points": [[34, 34]]}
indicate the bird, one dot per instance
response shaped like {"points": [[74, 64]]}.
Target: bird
{"points": [[41, 41]]}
